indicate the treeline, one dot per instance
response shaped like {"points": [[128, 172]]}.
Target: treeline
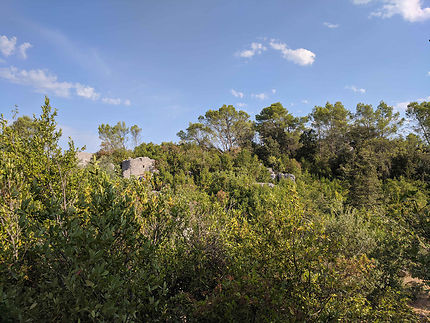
{"points": [[202, 240]]}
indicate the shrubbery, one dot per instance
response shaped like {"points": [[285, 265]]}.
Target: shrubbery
{"points": [[200, 241]]}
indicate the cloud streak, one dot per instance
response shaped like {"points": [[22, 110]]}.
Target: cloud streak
{"points": [[43, 81], [355, 89], [116, 101], [237, 94], [9, 46], [330, 25], [23, 49], [256, 49], [260, 96], [300, 56], [410, 10]]}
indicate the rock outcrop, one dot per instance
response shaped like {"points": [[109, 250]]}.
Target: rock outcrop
{"points": [[84, 158], [137, 167], [272, 173], [279, 176], [291, 177]]}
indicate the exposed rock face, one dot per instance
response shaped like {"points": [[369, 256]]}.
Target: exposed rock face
{"points": [[137, 167], [279, 176], [272, 173], [286, 176], [84, 158]]}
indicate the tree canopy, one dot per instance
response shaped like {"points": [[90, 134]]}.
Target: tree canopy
{"points": [[219, 232], [225, 128]]}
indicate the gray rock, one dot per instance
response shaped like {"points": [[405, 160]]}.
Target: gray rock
{"points": [[84, 158], [272, 173], [110, 167], [138, 167], [286, 176]]}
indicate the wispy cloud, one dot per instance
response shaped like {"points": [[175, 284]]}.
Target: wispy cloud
{"points": [[260, 96], [256, 48], [410, 10], [305, 101], [355, 89], [402, 106], [298, 56], [330, 25], [116, 101], [8, 46], [23, 49], [237, 94], [86, 92], [241, 105], [273, 91], [43, 81]]}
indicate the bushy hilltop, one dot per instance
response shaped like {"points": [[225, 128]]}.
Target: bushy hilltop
{"points": [[199, 240]]}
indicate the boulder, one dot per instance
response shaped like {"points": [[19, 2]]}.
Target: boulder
{"points": [[84, 158], [138, 167], [290, 177], [272, 173]]}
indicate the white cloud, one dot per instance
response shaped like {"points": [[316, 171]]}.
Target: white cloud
{"points": [[241, 105], [355, 89], [410, 10], [256, 48], [261, 96], [112, 101], [47, 83], [305, 101], [7, 46], [298, 56], [428, 73], [86, 92], [115, 101], [330, 25], [401, 106], [23, 49], [237, 94], [273, 91], [40, 80]]}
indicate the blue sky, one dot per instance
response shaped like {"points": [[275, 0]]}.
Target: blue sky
{"points": [[161, 64]]}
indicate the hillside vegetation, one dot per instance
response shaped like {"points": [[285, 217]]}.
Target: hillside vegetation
{"points": [[201, 241]]}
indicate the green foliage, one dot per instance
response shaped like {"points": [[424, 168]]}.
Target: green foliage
{"points": [[225, 128], [207, 239], [115, 137], [279, 131], [421, 114]]}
